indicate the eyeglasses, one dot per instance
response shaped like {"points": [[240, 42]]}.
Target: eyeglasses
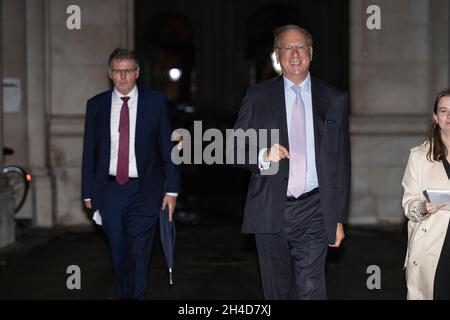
{"points": [[117, 72], [289, 49]]}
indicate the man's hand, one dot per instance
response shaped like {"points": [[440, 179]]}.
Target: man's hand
{"points": [[176, 136], [171, 202], [276, 153], [340, 235], [88, 204]]}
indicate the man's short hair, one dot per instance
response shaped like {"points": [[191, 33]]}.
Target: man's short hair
{"points": [[279, 31], [120, 54]]}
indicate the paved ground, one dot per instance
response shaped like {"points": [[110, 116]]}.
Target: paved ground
{"points": [[213, 261]]}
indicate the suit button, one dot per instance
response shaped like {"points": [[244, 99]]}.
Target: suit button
{"points": [[415, 263]]}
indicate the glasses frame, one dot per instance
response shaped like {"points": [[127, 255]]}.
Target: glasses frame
{"points": [[119, 72], [290, 49]]}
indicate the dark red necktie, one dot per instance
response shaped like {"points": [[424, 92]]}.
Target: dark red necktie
{"points": [[124, 143]]}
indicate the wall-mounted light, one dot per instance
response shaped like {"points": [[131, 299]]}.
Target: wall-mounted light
{"points": [[276, 66], [175, 74]]}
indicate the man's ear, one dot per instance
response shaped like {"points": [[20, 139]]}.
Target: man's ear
{"points": [[276, 56], [137, 73], [310, 53]]}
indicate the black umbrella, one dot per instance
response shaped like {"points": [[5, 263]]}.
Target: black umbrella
{"points": [[167, 232]]}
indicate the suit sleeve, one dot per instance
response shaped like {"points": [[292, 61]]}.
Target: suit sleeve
{"points": [[344, 161], [165, 144], [88, 164], [237, 151]]}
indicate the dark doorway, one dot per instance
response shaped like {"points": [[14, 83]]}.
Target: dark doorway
{"points": [[165, 48]]}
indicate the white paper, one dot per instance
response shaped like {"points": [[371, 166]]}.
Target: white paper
{"points": [[438, 196], [12, 96], [97, 217]]}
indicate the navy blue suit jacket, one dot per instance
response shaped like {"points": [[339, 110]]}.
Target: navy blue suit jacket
{"points": [[157, 173]]}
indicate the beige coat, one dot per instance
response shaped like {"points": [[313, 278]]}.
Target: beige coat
{"points": [[425, 235]]}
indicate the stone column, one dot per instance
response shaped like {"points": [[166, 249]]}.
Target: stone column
{"points": [[76, 63], [1, 91], [7, 224], [395, 74], [6, 196], [37, 116]]}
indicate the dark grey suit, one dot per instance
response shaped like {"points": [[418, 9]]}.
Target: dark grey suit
{"points": [[266, 207]]}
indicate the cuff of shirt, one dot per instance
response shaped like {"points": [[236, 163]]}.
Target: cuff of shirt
{"points": [[262, 164], [172, 194]]}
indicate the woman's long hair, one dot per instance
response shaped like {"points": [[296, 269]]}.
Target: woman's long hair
{"points": [[437, 149]]}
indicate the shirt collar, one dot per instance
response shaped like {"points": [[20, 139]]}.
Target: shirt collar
{"points": [[305, 84], [132, 94]]}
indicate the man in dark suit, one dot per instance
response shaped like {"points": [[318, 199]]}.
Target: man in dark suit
{"points": [[127, 172], [299, 211]]}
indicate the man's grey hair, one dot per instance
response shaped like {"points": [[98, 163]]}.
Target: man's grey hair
{"points": [[120, 54], [279, 31]]}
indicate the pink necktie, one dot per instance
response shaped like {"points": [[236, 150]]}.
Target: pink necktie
{"points": [[124, 143], [297, 146]]}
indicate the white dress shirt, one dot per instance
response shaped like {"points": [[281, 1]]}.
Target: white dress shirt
{"points": [[116, 107], [289, 94]]}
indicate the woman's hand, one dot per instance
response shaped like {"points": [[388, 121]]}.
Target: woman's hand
{"points": [[431, 209]]}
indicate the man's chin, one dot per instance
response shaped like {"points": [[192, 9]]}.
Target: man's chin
{"points": [[123, 90]]}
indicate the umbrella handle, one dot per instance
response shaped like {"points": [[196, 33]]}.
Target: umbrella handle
{"points": [[170, 276]]}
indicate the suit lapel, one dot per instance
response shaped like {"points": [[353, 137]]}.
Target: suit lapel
{"points": [[107, 122], [319, 106], [277, 106], [140, 124]]}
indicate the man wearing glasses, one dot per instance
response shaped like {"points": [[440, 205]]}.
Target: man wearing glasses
{"points": [[127, 172], [297, 213]]}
